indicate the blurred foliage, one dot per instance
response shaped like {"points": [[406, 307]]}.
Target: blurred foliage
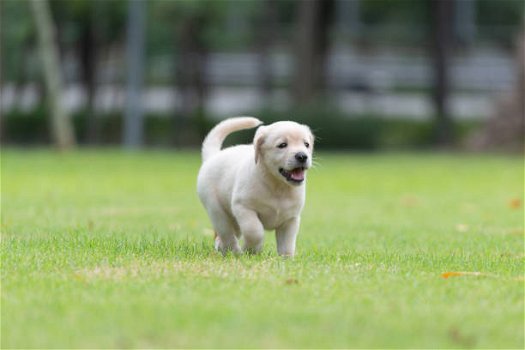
{"points": [[26, 127], [497, 19], [230, 25], [17, 35], [74, 17], [394, 21], [227, 26], [377, 12], [503, 12], [406, 21], [338, 131]]}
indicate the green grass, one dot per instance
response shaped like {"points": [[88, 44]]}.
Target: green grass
{"points": [[111, 249]]}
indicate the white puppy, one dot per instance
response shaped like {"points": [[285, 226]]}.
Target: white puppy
{"points": [[247, 189]]}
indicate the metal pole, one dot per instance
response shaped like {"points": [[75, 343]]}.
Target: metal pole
{"points": [[133, 119]]}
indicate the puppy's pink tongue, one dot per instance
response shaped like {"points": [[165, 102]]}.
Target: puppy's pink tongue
{"points": [[297, 174]]}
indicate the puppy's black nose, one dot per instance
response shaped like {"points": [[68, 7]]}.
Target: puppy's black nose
{"points": [[301, 157]]}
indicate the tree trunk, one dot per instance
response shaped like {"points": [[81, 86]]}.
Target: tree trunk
{"points": [[191, 77], [88, 52], [442, 12], [313, 21], [133, 119], [266, 29], [61, 126]]}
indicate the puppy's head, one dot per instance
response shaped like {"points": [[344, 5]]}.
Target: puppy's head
{"points": [[285, 149]]}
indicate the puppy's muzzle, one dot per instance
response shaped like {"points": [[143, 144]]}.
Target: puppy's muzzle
{"points": [[295, 174]]}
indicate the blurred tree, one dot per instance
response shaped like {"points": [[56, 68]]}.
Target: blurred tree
{"points": [[88, 52], [498, 20], [442, 13], [505, 129], [386, 21], [265, 33], [85, 17], [88, 28], [191, 74], [17, 40], [313, 21], [61, 126], [133, 118], [187, 31]]}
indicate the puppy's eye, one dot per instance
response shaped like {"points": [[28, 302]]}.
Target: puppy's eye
{"points": [[307, 145], [282, 145]]}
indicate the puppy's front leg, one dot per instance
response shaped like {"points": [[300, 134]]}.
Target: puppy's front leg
{"points": [[286, 235], [251, 228]]}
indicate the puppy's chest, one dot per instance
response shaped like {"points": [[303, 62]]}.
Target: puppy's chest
{"points": [[274, 214]]}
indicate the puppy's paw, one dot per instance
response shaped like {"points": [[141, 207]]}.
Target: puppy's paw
{"points": [[217, 243]]}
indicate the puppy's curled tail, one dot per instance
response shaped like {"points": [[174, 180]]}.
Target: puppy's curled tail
{"points": [[213, 142]]}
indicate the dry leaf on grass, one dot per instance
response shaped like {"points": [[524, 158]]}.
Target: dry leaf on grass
{"points": [[291, 281], [461, 273], [409, 201], [515, 203]]}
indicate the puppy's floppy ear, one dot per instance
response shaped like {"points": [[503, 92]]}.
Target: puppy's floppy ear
{"points": [[310, 136], [258, 141]]}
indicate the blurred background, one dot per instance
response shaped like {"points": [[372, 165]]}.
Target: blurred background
{"points": [[364, 74]]}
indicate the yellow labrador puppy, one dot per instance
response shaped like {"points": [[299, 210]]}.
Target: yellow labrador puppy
{"points": [[247, 189]]}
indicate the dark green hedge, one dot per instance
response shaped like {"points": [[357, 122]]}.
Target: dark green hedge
{"points": [[332, 129]]}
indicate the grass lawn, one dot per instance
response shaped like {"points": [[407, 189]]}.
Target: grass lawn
{"points": [[112, 249]]}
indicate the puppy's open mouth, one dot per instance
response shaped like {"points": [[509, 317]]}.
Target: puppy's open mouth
{"points": [[295, 175]]}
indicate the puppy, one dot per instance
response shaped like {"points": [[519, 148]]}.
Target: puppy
{"points": [[247, 189]]}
